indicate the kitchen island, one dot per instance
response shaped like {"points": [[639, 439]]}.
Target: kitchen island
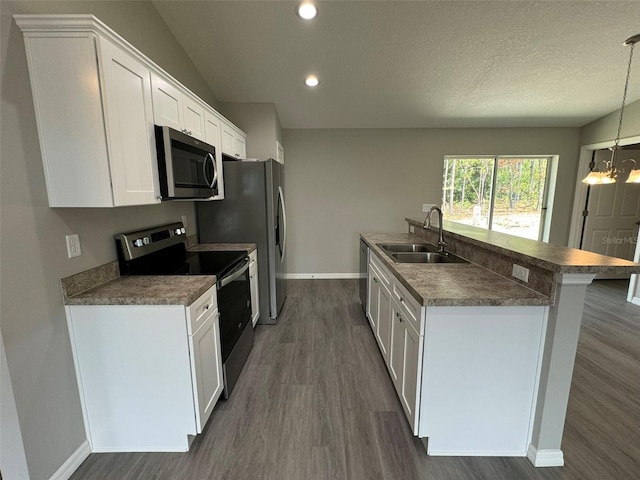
{"points": [[495, 354]]}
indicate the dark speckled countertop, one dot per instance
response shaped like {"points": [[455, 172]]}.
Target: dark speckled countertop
{"points": [[452, 284], [146, 290], [103, 285]]}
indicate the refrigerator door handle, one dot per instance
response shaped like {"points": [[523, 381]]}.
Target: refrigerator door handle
{"points": [[284, 224]]}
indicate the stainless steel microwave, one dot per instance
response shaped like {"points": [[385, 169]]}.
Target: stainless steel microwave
{"points": [[187, 167]]}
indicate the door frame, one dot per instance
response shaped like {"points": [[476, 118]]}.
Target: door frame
{"points": [[580, 195], [580, 198]]}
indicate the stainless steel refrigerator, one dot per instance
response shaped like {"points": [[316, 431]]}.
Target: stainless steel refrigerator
{"points": [[253, 211]]}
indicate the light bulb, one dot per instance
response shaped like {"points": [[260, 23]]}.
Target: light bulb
{"points": [[311, 81], [307, 11]]}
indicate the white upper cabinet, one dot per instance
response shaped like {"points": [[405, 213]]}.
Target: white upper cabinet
{"points": [[279, 152], [96, 101], [176, 109], [128, 115], [234, 141], [95, 117], [167, 104], [212, 131]]}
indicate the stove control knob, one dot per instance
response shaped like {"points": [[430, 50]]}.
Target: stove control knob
{"points": [[146, 240], [138, 243], [177, 231], [182, 230]]}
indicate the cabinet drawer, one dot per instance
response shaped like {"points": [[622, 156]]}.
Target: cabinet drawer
{"points": [[409, 306], [198, 310]]}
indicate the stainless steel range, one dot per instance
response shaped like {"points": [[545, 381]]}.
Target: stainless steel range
{"points": [[162, 251]]}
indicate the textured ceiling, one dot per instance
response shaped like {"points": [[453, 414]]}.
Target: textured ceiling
{"points": [[415, 64]]}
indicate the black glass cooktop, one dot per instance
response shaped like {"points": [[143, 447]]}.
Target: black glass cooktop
{"points": [[175, 260]]}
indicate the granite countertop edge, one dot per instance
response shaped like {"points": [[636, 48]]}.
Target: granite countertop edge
{"points": [[566, 262], [146, 290]]}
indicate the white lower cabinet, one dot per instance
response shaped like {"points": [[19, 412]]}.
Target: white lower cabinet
{"points": [[253, 285], [206, 368], [379, 304], [405, 362], [149, 375]]}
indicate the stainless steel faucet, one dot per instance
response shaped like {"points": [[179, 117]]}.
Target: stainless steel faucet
{"points": [[442, 245]]}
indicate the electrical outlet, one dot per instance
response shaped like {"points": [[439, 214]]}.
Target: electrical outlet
{"points": [[520, 273], [73, 245], [184, 221], [427, 206]]}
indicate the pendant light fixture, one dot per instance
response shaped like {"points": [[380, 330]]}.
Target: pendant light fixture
{"points": [[609, 171]]}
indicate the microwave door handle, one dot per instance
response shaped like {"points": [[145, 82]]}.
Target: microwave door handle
{"points": [[215, 171], [204, 169]]}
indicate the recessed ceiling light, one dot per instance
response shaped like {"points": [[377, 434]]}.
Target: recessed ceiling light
{"points": [[307, 10], [311, 81]]}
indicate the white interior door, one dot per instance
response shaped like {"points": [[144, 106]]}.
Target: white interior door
{"points": [[613, 210]]}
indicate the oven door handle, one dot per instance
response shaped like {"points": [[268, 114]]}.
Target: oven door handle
{"points": [[234, 275]]}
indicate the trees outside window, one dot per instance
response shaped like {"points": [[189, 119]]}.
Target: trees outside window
{"points": [[505, 194]]}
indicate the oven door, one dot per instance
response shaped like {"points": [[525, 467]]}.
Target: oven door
{"points": [[187, 167], [234, 305]]}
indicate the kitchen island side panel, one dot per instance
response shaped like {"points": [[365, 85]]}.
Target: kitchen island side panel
{"points": [[134, 376], [480, 374]]}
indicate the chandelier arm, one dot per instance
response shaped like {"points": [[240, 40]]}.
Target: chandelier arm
{"points": [[623, 167]]}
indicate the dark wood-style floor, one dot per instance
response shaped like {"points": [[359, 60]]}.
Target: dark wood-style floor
{"points": [[315, 402]]}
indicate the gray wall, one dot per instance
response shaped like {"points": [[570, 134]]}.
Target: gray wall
{"points": [[344, 182], [261, 124], [605, 128], [33, 253]]}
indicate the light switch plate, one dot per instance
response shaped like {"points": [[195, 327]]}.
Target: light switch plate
{"points": [[73, 245]]}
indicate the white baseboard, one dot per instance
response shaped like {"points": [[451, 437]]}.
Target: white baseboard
{"points": [[545, 458], [321, 276], [73, 462], [473, 453], [635, 300]]}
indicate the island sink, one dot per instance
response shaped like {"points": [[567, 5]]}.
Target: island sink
{"points": [[418, 253]]}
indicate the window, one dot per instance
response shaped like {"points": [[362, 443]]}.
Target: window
{"points": [[504, 194]]}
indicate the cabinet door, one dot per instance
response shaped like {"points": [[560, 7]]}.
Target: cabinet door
{"points": [[373, 294], [396, 354], [206, 368], [193, 114], [212, 127], [167, 104], [383, 331], [129, 126], [279, 152], [411, 373], [228, 139], [239, 146]]}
